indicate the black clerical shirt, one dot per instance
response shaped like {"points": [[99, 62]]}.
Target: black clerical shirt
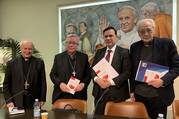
{"points": [[144, 89], [26, 67]]}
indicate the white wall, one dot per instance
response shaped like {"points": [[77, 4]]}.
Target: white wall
{"points": [[38, 20]]}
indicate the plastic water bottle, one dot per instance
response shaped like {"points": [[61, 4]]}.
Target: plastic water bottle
{"points": [[160, 116], [36, 109]]}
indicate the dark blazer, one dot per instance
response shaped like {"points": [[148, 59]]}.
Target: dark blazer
{"points": [[164, 52], [60, 72], [14, 81], [121, 63]]}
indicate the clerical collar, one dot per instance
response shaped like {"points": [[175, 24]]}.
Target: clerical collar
{"points": [[26, 59], [72, 56], [148, 43]]}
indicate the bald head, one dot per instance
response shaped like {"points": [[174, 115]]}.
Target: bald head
{"points": [[26, 48]]}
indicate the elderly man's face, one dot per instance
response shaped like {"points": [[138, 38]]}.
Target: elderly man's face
{"points": [[127, 20], [146, 31], [26, 49], [71, 44]]}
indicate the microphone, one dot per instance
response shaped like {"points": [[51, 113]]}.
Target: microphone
{"points": [[20, 92], [97, 103]]}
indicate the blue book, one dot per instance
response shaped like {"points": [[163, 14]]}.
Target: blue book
{"points": [[149, 71]]}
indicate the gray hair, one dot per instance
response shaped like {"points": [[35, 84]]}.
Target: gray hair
{"points": [[73, 35], [25, 41], [152, 7], [133, 10], [142, 21]]}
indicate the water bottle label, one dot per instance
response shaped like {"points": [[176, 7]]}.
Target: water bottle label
{"points": [[37, 113]]}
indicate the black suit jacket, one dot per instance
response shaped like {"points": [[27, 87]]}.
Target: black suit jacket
{"points": [[164, 52], [121, 63], [15, 79], [61, 73]]}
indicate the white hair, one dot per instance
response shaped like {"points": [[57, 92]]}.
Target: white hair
{"points": [[142, 21], [133, 10], [24, 42], [73, 35]]}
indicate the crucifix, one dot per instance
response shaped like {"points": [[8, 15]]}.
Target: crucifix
{"points": [[74, 73], [26, 85]]}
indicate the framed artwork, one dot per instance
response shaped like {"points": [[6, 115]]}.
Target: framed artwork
{"points": [[89, 20]]}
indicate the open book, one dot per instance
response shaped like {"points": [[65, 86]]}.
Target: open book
{"points": [[104, 70], [15, 110], [149, 71]]}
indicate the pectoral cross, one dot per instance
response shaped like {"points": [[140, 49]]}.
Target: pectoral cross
{"points": [[74, 73], [26, 85]]}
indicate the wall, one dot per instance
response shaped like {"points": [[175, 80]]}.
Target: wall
{"points": [[38, 20], [0, 18]]}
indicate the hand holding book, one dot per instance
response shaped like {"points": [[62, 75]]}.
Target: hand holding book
{"points": [[151, 73], [156, 83], [72, 84], [105, 71]]}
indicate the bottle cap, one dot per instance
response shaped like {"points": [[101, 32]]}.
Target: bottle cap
{"points": [[160, 115]]}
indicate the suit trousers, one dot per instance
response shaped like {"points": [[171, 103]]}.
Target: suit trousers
{"points": [[101, 103], [154, 105]]}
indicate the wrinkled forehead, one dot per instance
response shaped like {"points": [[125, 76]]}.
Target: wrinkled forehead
{"points": [[27, 44], [146, 25], [72, 38]]}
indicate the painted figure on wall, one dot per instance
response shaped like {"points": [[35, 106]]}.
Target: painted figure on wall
{"points": [[127, 16], [162, 20], [123, 16], [85, 44], [70, 28]]}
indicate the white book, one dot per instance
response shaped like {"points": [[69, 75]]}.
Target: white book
{"points": [[104, 70], [72, 84], [15, 110]]}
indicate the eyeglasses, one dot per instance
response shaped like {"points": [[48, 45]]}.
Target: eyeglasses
{"points": [[73, 43], [147, 30]]}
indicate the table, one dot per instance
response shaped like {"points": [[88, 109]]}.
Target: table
{"points": [[55, 114]]}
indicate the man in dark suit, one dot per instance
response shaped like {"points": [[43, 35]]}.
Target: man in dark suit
{"points": [[70, 63], [156, 94], [25, 79], [117, 88]]}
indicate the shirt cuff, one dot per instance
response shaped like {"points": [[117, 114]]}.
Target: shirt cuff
{"points": [[112, 83], [95, 78]]}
